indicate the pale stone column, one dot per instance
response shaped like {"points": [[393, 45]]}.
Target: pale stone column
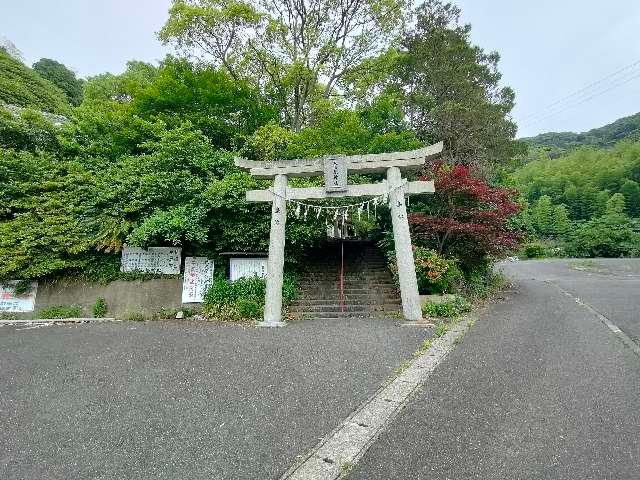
{"points": [[404, 255], [275, 264]]}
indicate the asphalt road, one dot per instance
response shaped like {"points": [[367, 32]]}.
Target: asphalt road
{"points": [[177, 400], [539, 389]]}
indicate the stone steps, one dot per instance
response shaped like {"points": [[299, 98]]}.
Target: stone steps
{"points": [[364, 309], [369, 290], [345, 315], [349, 300]]}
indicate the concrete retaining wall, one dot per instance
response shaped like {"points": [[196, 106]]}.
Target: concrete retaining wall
{"points": [[122, 297]]}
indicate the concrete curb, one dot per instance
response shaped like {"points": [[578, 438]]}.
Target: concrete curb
{"points": [[58, 320], [339, 451]]}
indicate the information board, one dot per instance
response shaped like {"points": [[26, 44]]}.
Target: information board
{"points": [[165, 260], [10, 302], [247, 267], [198, 276]]}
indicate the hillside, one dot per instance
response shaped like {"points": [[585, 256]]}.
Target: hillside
{"points": [[22, 86], [607, 136]]}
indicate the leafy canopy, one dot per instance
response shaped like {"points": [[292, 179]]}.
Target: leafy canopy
{"points": [[297, 50], [61, 77], [23, 87]]}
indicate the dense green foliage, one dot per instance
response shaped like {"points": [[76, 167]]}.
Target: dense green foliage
{"points": [[23, 87], [61, 311], [584, 180], [61, 77], [434, 272], [626, 128], [585, 203], [147, 157], [243, 299]]}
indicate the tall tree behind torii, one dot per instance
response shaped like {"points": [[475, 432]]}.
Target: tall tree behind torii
{"points": [[297, 50]]}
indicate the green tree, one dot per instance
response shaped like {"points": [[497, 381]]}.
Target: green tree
{"points": [[631, 192], [615, 205], [21, 86], [298, 51], [450, 89], [224, 109], [61, 77], [122, 88], [611, 235]]}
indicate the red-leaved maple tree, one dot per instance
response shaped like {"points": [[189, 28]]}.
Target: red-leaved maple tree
{"points": [[466, 217]]}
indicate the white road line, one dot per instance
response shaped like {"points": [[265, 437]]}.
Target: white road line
{"points": [[608, 323], [337, 453]]}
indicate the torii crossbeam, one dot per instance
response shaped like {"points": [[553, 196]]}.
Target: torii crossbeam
{"points": [[334, 169]]}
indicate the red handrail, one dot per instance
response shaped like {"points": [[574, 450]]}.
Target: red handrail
{"points": [[342, 276]]}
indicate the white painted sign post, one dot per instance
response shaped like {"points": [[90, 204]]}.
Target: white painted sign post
{"points": [[165, 260], [198, 277], [13, 303], [335, 170]]}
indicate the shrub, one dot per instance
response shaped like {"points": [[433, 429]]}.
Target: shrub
{"points": [[533, 250], [243, 299], [435, 273], [100, 308], [449, 309], [482, 281], [61, 311], [23, 287], [611, 235], [248, 308]]}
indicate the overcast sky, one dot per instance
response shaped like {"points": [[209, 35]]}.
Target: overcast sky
{"points": [[549, 48]]}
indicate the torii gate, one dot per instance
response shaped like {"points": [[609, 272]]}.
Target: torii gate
{"points": [[334, 169]]}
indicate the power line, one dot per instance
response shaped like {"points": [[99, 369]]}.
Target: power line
{"points": [[582, 90], [535, 121]]}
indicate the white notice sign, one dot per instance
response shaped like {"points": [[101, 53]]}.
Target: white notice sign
{"points": [[198, 276], [10, 302], [247, 267], [164, 260]]}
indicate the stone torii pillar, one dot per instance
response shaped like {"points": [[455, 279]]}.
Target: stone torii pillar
{"points": [[334, 169], [275, 262]]}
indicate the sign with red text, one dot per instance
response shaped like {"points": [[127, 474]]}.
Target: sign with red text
{"points": [[198, 277], [13, 302]]}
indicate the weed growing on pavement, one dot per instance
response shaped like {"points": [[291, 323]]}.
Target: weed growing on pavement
{"points": [[426, 345], [402, 368], [61, 311], [346, 468], [134, 317], [449, 309], [100, 308], [441, 329]]}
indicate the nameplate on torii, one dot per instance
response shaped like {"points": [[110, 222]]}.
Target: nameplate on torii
{"points": [[335, 175]]}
